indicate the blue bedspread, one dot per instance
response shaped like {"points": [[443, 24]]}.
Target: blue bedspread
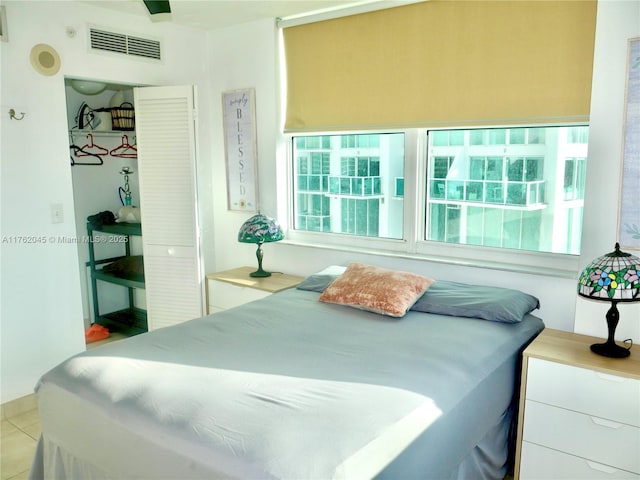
{"points": [[288, 387]]}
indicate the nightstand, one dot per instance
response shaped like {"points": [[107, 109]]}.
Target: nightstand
{"points": [[579, 412], [235, 287]]}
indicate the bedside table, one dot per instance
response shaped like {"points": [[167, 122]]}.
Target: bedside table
{"points": [[235, 287], [579, 412]]}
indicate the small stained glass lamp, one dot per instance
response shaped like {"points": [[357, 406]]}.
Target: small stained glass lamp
{"points": [[260, 229], [611, 278]]}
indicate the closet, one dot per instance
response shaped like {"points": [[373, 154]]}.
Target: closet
{"points": [[159, 155]]}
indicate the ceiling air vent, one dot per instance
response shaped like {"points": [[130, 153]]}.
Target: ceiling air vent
{"points": [[125, 44]]}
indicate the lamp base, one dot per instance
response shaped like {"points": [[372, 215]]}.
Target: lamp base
{"points": [[610, 349], [260, 273]]}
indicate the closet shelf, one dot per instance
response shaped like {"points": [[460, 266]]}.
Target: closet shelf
{"points": [[111, 278], [131, 320], [101, 133], [121, 228]]}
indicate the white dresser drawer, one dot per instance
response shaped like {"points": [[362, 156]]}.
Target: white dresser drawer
{"points": [[223, 295], [616, 398], [593, 438], [540, 463]]}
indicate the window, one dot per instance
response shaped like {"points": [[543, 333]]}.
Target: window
{"points": [[577, 134], [350, 184], [312, 179], [448, 137], [518, 188], [504, 189], [575, 171]]}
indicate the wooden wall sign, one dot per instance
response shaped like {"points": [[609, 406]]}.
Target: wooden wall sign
{"points": [[239, 121]]}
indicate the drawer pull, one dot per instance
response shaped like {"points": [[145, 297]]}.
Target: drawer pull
{"points": [[605, 423], [601, 468]]}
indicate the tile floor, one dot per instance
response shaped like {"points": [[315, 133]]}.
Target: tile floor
{"points": [[19, 434], [20, 430]]}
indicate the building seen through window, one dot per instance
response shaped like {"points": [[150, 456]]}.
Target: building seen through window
{"points": [[519, 188], [344, 184], [515, 188]]}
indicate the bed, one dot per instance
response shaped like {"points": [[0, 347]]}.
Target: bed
{"points": [[289, 387]]}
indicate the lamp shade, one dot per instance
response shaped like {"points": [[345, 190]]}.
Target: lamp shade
{"points": [[260, 229], [614, 278]]}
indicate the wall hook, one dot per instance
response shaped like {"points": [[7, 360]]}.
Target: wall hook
{"points": [[12, 115]]}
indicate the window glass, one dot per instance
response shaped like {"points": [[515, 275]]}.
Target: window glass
{"points": [[476, 137], [535, 135], [515, 170], [350, 184], [577, 134], [517, 136], [494, 168], [509, 201], [496, 136], [519, 188], [456, 137], [575, 170], [533, 168]]}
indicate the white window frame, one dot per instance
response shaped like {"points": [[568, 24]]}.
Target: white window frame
{"points": [[413, 245]]}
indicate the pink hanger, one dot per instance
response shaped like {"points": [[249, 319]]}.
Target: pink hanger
{"points": [[91, 149], [124, 150]]}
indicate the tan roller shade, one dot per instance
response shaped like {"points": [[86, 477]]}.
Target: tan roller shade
{"points": [[442, 63]]}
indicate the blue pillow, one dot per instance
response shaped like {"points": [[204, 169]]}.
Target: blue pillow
{"points": [[319, 281], [475, 301], [316, 282]]}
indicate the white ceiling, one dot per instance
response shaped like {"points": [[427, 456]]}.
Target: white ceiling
{"points": [[212, 14]]}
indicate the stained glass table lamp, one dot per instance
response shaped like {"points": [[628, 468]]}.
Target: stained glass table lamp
{"points": [[260, 229], [611, 278]]}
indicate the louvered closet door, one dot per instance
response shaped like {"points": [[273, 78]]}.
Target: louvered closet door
{"points": [[166, 160]]}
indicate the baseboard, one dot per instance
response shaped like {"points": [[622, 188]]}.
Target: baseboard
{"points": [[18, 406]]}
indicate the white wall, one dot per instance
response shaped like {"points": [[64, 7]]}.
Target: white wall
{"points": [[41, 310], [247, 55], [618, 21]]}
